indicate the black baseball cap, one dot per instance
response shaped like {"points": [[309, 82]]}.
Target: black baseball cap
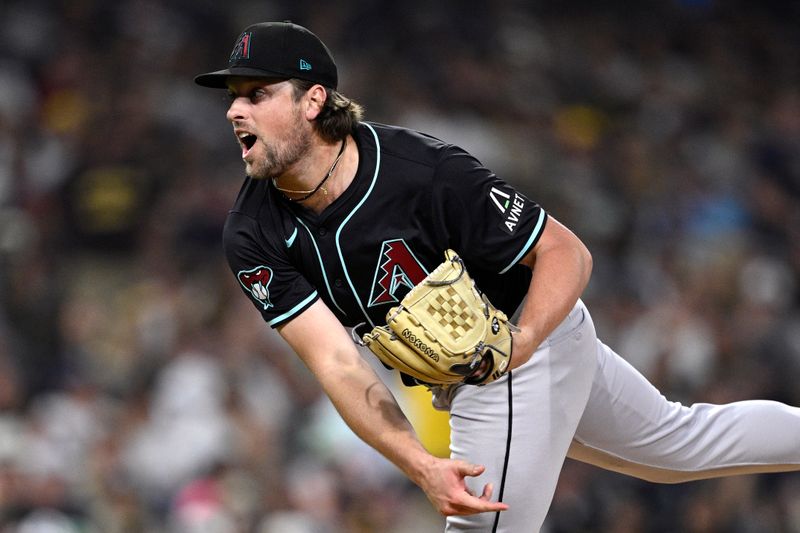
{"points": [[276, 50]]}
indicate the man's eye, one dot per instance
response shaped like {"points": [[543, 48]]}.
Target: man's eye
{"points": [[254, 96]]}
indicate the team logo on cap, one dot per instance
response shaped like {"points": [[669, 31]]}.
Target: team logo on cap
{"points": [[398, 271], [256, 282], [241, 50]]}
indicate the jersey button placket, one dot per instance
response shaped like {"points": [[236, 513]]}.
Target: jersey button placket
{"points": [[322, 232]]}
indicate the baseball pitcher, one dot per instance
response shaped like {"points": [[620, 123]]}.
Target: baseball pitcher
{"points": [[349, 232]]}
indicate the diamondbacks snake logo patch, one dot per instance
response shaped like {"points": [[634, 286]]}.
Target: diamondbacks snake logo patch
{"points": [[397, 272], [256, 282]]}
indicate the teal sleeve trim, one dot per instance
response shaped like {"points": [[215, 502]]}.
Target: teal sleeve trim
{"points": [[525, 249], [291, 312]]}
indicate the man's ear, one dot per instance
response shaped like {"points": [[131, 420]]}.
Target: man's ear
{"points": [[315, 101]]}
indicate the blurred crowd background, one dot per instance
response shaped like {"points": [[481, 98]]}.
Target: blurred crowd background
{"points": [[139, 390]]}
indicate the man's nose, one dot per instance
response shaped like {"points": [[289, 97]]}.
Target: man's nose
{"points": [[235, 110]]}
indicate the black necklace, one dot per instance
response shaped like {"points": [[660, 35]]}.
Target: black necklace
{"points": [[309, 194]]}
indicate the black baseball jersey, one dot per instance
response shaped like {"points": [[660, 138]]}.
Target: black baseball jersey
{"points": [[413, 197]]}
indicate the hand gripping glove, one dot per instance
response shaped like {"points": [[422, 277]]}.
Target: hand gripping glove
{"points": [[444, 331]]}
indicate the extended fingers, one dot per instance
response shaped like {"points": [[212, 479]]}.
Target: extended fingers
{"points": [[467, 503], [467, 469], [450, 494], [487, 492]]}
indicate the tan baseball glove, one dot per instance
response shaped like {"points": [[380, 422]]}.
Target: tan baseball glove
{"points": [[444, 331]]}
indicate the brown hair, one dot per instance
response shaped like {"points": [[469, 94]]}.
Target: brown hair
{"points": [[339, 114]]}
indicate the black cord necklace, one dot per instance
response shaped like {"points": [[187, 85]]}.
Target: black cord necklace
{"points": [[309, 194]]}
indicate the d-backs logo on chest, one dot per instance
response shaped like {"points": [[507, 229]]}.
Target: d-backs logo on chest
{"points": [[397, 272]]}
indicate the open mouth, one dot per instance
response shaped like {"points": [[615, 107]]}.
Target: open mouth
{"points": [[247, 140]]}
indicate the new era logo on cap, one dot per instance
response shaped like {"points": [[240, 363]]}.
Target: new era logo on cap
{"points": [[305, 65]]}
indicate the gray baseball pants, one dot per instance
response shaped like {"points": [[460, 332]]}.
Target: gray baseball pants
{"points": [[577, 398]]}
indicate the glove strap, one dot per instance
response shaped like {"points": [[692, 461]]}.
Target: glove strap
{"points": [[355, 336], [441, 283]]}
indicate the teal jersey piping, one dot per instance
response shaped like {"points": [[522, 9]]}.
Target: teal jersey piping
{"points": [[533, 237], [348, 217], [321, 266], [293, 310]]}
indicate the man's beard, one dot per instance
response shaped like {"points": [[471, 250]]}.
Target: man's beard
{"points": [[278, 159]]}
